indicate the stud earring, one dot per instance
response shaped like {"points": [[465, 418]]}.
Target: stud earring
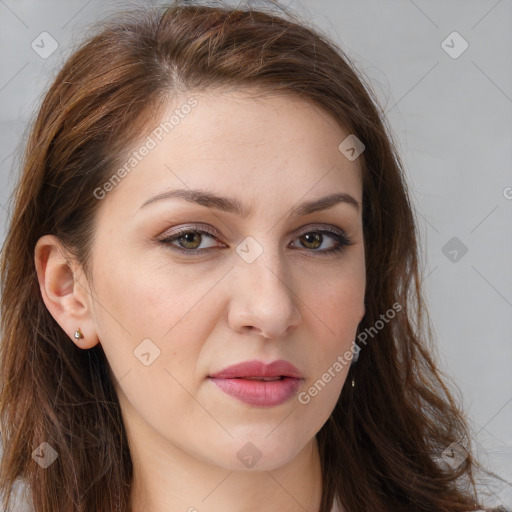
{"points": [[78, 334]]}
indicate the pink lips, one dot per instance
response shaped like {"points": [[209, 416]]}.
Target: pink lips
{"points": [[260, 384]]}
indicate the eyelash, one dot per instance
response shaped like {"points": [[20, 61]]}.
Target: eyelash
{"points": [[342, 240]]}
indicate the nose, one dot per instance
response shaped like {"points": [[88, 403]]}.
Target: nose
{"points": [[264, 299]]}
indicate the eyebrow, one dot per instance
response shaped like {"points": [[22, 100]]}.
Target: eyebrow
{"points": [[231, 205]]}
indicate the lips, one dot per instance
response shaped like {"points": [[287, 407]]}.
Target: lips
{"points": [[259, 370], [259, 384]]}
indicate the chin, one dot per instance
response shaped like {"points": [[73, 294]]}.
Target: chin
{"points": [[260, 451]]}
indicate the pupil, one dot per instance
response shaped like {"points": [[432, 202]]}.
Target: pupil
{"points": [[189, 239], [312, 238]]}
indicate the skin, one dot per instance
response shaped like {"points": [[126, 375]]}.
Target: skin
{"points": [[208, 311]]}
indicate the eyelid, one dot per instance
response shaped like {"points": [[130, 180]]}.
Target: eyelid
{"points": [[193, 227], [213, 232], [321, 227]]}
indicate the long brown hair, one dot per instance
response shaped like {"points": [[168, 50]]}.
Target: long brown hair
{"points": [[381, 448]]}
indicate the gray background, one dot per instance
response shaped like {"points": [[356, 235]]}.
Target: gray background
{"points": [[451, 118]]}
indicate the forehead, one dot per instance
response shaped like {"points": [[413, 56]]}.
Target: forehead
{"points": [[243, 143], [245, 124]]}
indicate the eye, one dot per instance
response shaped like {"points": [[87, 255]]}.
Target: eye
{"points": [[315, 239], [189, 240]]}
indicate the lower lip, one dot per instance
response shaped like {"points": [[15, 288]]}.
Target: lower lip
{"points": [[259, 393]]}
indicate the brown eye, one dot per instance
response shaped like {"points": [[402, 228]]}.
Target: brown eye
{"points": [[189, 240], [313, 240]]}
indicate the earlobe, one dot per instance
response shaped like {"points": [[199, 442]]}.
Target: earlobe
{"points": [[64, 296]]}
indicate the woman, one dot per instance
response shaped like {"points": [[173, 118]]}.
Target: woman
{"points": [[210, 288]]}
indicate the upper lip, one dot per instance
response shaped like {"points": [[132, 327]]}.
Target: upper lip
{"points": [[257, 368]]}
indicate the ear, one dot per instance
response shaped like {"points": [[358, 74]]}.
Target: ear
{"points": [[65, 290]]}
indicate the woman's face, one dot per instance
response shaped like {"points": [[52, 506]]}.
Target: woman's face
{"points": [[251, 281]]}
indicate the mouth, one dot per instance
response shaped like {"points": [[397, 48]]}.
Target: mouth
{"points": [[264, 379], [259, 370], [259, 384]]}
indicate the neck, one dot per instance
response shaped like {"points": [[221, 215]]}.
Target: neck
{"points": [[174, 481]]}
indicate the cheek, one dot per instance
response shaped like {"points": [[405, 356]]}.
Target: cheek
{"points": [[145, 297], [337, 296], [151, 328], [134, 304], [335, 305]]}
